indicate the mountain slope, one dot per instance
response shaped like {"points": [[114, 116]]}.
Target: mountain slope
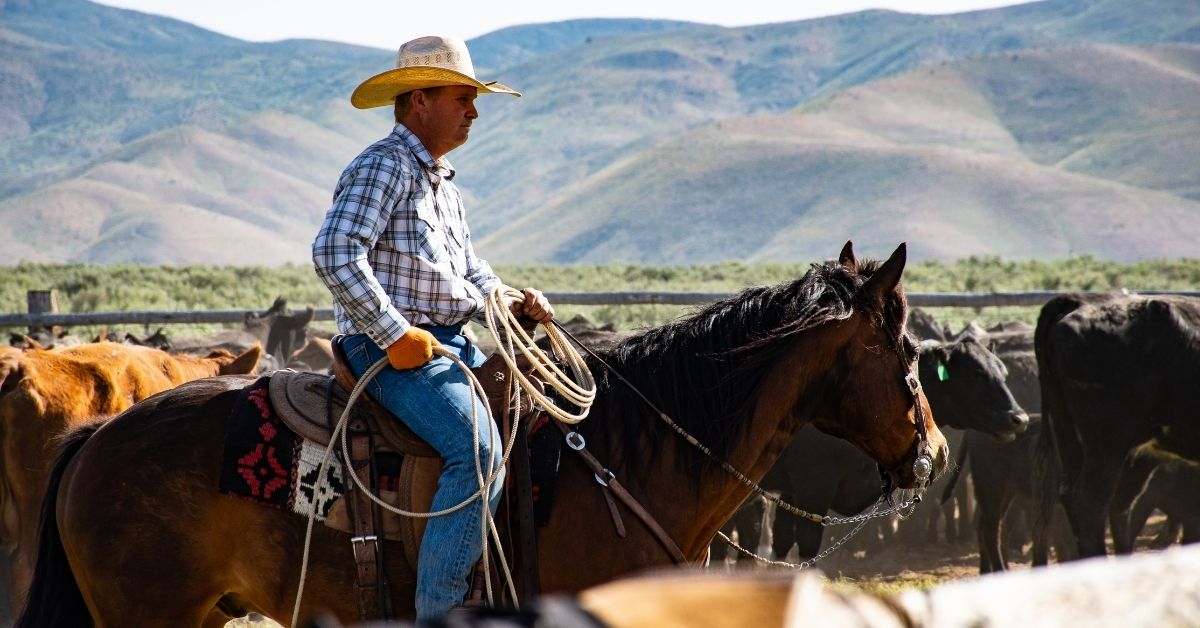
{"points": [[589, 106], [113, 120], [955, 159]]}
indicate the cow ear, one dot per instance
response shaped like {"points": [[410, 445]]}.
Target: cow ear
{"points": [[846, 257], [245, 363], [11, 372], [884, 281]]}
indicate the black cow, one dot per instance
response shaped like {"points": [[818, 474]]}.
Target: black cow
{"points": [[157, 340], [818, 473], [1117, 371], [747, 521], [924, 326], [967, 391], [1175, 490], [1150, 480], [1001, 472]]}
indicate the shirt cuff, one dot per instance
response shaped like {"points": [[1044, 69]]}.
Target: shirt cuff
{"points": [[387, 329]]}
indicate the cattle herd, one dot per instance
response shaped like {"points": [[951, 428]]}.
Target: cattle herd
{"points": [[1068, 435]]}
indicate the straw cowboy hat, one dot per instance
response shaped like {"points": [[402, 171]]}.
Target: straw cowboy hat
{"points": [[424, 62]]}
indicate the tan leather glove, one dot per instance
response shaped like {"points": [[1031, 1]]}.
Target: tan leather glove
{"points": [[413, 349]]}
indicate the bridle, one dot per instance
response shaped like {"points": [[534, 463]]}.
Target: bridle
{"points": [[923, 462]]}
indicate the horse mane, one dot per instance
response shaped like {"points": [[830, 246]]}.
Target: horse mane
{"points": [[704, 371]]}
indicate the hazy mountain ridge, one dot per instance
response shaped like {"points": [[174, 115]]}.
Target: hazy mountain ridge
{"points": [[709, 73], [631, 140], [937, 156]]}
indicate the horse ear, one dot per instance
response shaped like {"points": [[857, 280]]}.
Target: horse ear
{"points": [[884, 281], [846, 257]]}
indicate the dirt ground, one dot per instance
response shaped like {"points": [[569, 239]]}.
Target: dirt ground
{"points": [[896, 564]]}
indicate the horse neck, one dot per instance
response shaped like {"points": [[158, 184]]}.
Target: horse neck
{"points": [[690, 503]]}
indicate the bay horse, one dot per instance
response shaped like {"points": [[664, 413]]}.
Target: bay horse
{"points": [[136, 533], [46, 392]]}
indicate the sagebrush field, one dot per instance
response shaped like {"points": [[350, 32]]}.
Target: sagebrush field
{"points": [[129, 287]]}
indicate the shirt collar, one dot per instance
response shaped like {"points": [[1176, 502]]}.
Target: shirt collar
{"points": [[440, 167]]}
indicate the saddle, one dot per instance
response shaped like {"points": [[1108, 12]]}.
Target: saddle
{"points": [[311, 404]]}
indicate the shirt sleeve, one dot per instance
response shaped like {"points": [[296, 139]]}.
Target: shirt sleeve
{"points": [[362, 205]]}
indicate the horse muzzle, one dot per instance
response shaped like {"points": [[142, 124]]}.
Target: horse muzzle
{"points": [[925, 467]]}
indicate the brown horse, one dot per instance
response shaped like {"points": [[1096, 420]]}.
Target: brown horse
{"points": [[43, 393], [140, 536]]}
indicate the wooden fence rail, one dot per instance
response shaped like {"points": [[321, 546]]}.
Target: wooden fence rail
{"points": [[916, 299]]}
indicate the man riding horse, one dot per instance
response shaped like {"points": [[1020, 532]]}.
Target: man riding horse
{"points": [[396, 254]]}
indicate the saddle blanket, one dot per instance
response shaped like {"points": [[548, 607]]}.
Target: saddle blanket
{"points": [[267, 463]]}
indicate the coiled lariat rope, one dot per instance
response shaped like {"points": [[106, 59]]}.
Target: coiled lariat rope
{"points": [[513, 338], [581, 395]]}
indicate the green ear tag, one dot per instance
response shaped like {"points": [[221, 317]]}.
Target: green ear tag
{"points": [[943, 374]]}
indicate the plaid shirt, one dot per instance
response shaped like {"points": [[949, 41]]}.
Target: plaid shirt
{"points": [[394, 248]]}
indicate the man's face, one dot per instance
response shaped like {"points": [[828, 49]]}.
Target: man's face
{"points": [[446, 117]]}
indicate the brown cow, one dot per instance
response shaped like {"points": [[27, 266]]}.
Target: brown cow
{"points": [[44, 392], [316, 355]]}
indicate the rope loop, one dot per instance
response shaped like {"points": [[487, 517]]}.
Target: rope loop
{"points": [[578, 388]]}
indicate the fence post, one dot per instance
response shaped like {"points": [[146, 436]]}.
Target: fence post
{"points": [[42, 302]]}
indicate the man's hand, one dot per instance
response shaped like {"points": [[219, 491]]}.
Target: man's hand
{"points": [[536, 307], [413, 349]]}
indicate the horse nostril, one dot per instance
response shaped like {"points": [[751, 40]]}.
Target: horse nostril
{"points": [[1020, 420]]}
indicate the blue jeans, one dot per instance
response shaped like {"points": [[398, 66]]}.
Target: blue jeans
{"points": [[435, 401]]}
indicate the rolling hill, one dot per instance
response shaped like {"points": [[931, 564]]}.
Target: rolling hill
{"points": [[1054, 128], [1041, 154]]}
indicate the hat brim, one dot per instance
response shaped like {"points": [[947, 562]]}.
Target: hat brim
{"points": [[381, 90]]}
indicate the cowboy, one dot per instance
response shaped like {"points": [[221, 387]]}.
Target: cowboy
{"points": [[396, 253]]}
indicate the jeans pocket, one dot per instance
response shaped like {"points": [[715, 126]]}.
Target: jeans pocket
{"points": [[360, 357], [357, 358]]}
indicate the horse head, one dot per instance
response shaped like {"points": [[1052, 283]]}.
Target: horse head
{"points": [[875, 399]]}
